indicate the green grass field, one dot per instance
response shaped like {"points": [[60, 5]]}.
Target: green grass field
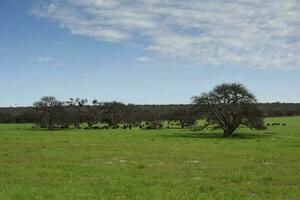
{"points": [[150, 164]]}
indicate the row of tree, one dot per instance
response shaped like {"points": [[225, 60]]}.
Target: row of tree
{"points": [[26, 114], [226, 107], [51, 113]]}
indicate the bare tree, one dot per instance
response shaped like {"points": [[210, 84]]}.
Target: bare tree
{"points": [[228, 106]]}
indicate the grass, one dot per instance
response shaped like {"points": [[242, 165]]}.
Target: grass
{"points": [[150, 164]]}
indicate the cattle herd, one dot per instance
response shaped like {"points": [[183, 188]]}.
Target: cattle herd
{"points": [[276, 124]]}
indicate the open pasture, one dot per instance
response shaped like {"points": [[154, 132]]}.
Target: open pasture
{"points": [[150, 164]]}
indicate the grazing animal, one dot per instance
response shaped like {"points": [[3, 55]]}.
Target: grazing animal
{"points": [[275, 124]]}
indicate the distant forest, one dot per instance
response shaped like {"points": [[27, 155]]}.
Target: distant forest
{"points": [[141, 112]]}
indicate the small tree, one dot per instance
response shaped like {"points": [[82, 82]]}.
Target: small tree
{"points": [[228, 106], [51, 111], [185, 116], [76, 111], [113, 112]]}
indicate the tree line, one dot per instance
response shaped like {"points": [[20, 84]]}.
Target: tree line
{"points": [[226, 107], [51, 113], [26, 114]]}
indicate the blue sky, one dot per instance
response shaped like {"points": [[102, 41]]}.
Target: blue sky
{"points": [[147, 52]]}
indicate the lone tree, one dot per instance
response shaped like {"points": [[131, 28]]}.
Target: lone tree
{"points": [[228, 106]]}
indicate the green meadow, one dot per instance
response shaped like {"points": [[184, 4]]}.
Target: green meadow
{"points": [[150, 164]]}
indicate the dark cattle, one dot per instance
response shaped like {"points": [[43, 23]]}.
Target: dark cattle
{"points": [[276, 124]]}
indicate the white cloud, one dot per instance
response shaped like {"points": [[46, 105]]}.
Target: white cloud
{"points": [[44, 59], [143, 59], [245, 33]]}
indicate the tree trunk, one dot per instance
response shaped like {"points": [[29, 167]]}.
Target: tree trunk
{"points": [[228, 132], [50, 125], [181, 123], [77, 125]]}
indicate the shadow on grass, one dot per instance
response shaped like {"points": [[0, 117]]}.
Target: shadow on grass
{"points": [[54, 130], [209, 135]]}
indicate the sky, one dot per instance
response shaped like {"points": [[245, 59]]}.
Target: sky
{"points": [[147, 52]]}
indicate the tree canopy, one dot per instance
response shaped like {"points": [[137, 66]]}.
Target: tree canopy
{"points": [[228, 106]]}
